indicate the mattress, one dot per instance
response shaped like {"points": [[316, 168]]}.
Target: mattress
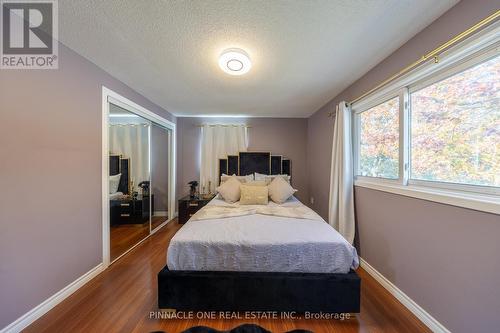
{"points": [[260, 243]]}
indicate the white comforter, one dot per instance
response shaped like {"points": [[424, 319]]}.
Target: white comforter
{"points": [[274, 238]]}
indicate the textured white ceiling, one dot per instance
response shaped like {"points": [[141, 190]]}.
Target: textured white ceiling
{"points": [[303, 52]]}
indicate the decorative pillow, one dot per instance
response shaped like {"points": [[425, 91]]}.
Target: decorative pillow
{"points": [[269, 178], [242, 179], [259, 176], [230, 190], [257, 183], [254, 195], [280, 190], [114, 182]]}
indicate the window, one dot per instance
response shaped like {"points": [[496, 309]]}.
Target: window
{"points": [[434, 133], [379, 140], [455, 128]]}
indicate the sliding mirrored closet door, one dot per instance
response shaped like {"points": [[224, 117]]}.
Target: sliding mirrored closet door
{"points": [[160, 161], [141, 179], [129, 179]]}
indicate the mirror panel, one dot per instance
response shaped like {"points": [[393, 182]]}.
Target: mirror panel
{"points": [[129, 179], [160, 143]]}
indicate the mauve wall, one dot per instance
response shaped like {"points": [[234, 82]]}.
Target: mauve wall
{"points": [[283, 136], [443, 257], [50, 167]]}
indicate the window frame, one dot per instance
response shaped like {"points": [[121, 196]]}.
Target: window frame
{"points": [[357, 137], [465, 64], [473, 51]]}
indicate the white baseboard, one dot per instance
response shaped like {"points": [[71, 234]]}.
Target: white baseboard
{"points": [[160, 213], [35, 313], [410, 304]]}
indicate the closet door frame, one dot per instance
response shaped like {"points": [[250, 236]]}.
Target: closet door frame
{"points": [[110, 96]]}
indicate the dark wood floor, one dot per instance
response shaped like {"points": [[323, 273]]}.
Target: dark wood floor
{"points": [[125, 236], [121, 298], [157, 220]]}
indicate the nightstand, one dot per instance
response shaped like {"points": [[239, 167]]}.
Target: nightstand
{"points": [[188, 206], [128, 210]]}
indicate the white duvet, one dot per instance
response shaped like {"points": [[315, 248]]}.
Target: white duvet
{"points": [[273, 238]]}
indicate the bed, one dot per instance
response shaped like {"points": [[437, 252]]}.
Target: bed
{"points": [[258, 242], [231, 257]]}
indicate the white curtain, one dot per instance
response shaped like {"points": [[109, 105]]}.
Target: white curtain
{"points": [[218, 141], [132, 141], [341, 212]]}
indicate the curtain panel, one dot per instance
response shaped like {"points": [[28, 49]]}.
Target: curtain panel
{"points": [[341, 208], [218, 141], [132, 141]]}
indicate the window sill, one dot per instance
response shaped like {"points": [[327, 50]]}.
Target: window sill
{"points": [[480, 202]]}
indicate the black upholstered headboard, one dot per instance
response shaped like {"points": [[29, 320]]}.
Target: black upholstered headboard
{"points": [[276, 164], [222, 167], [286, 166], [251, 162], [117, 165], [233, 164], [247, 163], [114, 165]]}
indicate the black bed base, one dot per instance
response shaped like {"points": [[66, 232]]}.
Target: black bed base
{"points": [[258, 291]]}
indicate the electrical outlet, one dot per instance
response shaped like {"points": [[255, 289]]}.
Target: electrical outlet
{"points": [[312, 200]]}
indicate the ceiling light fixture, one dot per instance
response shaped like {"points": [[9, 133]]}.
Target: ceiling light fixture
{"points": [[235, 62]]}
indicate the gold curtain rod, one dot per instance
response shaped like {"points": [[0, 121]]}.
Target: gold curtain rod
{"points": [[434, 54], [224, 125]]}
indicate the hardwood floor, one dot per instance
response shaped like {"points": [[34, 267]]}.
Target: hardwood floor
{"points": [[124, 236], [157, 220], [121, 298]]}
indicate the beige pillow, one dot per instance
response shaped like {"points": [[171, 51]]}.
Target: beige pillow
{"points": [[230, 190], [257, 183], [254, 195], [280, 190]]}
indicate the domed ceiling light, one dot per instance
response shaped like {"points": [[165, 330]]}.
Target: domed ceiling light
{"points": [[235, 62]]}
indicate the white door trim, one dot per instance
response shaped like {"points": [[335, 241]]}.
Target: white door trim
{"points": [[110, 96]]}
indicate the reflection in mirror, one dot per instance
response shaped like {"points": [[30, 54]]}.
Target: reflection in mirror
{"points": [[160, 137], [129, 179]]}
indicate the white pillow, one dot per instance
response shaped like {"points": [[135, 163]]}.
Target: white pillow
{"points": [[230, 190], [242, 179], [280, 190], [270, 178], [259, 176], [114, 181]]}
